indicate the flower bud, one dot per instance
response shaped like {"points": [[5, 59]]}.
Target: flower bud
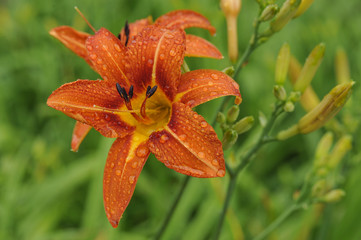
{"points": [[220, 118], [268, 12], [243, 125], [333, 196], [339, 151], [285, 14], [323, 149], [319, 188], [231, 9], [342, 67], [310, 67], [229, 139], [289, 106], [294, 97], [229, 71], [305, 4], [262, 119], [289, 132], [283, 61], [279, 92], [232, 114], [330, 105]]}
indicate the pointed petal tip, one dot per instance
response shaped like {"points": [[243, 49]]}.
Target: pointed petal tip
{"points": [[113, 222]]}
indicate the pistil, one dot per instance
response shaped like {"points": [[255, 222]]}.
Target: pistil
{"points": [[149, 93]]}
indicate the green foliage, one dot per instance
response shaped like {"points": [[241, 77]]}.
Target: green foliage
{"points": [[48, 192]]}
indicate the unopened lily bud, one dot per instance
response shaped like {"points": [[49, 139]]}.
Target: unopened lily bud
{"points": [[229, 139], [310, 67], [330, 105], [342, 67], [285, 14], [289, 132], [294, 97], [283, 61], [231, 9], [229, 71], [333, 196], [220, 118], [279, 92], [262, 119], [243, 125], [319, 188], [268, 12], [339, 151], [289, 106], [322, 150], [232, 114], [305, 4]]}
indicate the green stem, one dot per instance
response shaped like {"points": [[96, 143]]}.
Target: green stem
{"points": [[172, 209], [278, 221]]}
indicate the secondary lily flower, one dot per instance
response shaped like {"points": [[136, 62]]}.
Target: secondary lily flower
{"points": [[146, 104], [180, 19]]}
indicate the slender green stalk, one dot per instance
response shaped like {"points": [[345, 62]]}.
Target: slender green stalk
{"points": [[173, 208], [293, 208]]}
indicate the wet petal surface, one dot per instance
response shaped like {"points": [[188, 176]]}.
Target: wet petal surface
{"points": [[79, 133], [199, 47]]}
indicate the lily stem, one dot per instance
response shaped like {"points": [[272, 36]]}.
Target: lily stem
{"points": [[173, 208]]}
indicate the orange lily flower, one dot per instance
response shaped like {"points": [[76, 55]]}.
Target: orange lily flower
{"points": [[146, 104], [182, 19]]}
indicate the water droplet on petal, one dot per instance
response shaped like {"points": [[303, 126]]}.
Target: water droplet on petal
{"points": [[215, 162], [210, 83], [172, 52], [134, 164], [118, 172], [142, 151], [93, 56], [89, 47], [99, 61], [201, 154], [204, 124], [105, 47], [112, 165], [104, 67], [214, 76], [182, 137], [221, 173], [161, 56], [163, 138], [150, 62], [107, 117], [131, 179], [117, 47], [195, 115]]}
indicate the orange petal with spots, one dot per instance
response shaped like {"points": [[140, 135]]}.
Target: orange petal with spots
{"points": [[72, 39], [199, 47], [135, 28], [159, 54], [185, 19], [125, 161], [79, 133], [188, 145], [96, 103], [199, 86]]}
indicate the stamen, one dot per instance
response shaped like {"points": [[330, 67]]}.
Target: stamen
{"points": [[148, 89], [151, 91], [126, 32], [130, 93], [81, 14], [119, 36], [122, 92]]}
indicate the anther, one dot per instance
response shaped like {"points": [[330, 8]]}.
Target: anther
{"points": [[130, 93], [126, 32], [151, 91], [122, 92], [119, 36]]}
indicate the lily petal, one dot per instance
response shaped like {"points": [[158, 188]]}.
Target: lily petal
{"points": [[160, 53], [135, 28], [125, 161], [96, 103], [199, 86], [188, 145], [185, 19], [72, 39], [199, 47], [79, 133]]}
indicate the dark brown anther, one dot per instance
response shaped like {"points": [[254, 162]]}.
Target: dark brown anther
{"points": [[126, 32], [148, 89], [130, 93], [119, 36], [122, 92], [152, 91]]}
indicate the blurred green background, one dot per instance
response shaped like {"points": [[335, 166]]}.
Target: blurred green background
{"points": [[49, 192]]}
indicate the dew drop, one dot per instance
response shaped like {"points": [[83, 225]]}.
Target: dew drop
{"points": [[169, 35], [201, 154], [105, 47], [118, 172], [172, 52], [117, 47], [142, 151], [215, 162], [131, 179], [182, 137], [213, 93], [112, 165], [221, 173], [161, 56], [89, 47], [107, 117], [204, 124], [163, 138], [93, 56], [99, 61], [134, 164], [104, 67], [214, 76], [195, 115], [150, 61], [190, 102], [210, 83]]}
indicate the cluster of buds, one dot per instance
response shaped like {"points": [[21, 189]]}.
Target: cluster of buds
{"points": [[231, 127]]}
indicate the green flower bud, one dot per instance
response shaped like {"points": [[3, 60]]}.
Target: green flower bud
{"points": [[229, 71], [243, 125], [289, 106], [285, 14], [279, 92], [310, 67], [305, 4], [294, 97], [232, 114], [319, 188], [268, 12], [229, 139], [333, 196], [339, 151], [262, 119], [283, 61], [323, 149], [342, 67], [220, 118]]}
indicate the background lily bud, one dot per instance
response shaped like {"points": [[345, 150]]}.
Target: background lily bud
{"points": [[342, 67], [231, 9], [232, 114], [294, 97], [305, 4], [279, 92], [330, 105], [289, 132], [319, 188], [268, 12], [262, 119], [310, 67], [323, 149], [283, 61], [229, 139], [229, 71], [286, 13], [333, 196], [221, 118], [244, 124], [289, 106], [339, 151]]}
